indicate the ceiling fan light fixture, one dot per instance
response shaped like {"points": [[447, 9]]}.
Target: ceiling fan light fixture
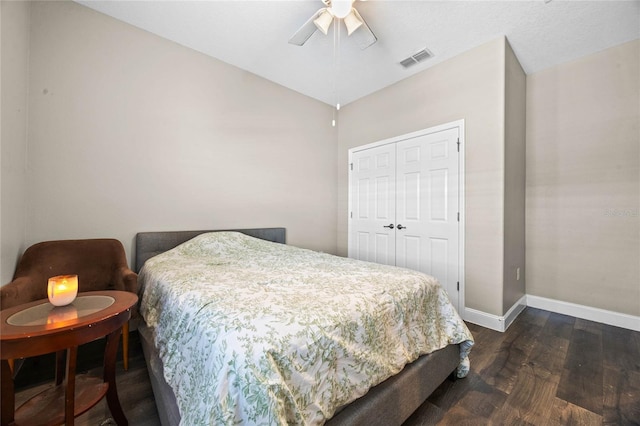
{"points": [[352, 22], [356, 26], [341, 8], [323, 21]]}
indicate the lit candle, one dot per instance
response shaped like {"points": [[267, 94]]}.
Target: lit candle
{"points": [[63, 289]]}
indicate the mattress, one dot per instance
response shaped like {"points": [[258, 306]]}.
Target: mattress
{"points": [[256, 332]]}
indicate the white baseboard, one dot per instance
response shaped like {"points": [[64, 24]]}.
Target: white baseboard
{"points": [[617, 319], [501, 323], [515, 310], [483, 319], [495, 322]]}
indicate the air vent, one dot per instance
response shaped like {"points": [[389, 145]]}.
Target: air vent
{"points": [[420, 56]]}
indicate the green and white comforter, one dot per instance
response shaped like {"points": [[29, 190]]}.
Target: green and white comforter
{"points": [[262, 333]]}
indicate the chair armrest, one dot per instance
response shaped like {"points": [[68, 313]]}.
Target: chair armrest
{"points": [[126, 280], [19, 291]]}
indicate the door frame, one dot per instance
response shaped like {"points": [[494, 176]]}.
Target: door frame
{"points": [[459, 124]]}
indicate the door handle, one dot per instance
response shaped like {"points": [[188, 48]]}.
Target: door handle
{"points": [[402, 227], [390, 226]]}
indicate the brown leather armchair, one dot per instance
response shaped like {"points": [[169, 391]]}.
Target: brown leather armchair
{"points": [[100, 264]]}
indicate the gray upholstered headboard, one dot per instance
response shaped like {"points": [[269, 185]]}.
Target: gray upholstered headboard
{"points": [[149, 244]]}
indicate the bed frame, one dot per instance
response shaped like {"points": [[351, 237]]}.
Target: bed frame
{"points": [[389, 403]]}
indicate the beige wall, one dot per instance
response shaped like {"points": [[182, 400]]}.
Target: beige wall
{"points": [[514, 172], [14, 84], [583, 181], [470, 87], [130, 132]]}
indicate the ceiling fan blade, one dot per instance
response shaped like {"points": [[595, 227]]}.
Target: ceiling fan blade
{"points": [[363, 36], [305, 31]]}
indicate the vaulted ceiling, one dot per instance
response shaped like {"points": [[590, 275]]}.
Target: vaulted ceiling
{"points": [[253, 35]]}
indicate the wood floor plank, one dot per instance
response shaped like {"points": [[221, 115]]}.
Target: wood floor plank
{"points": [[563, 413], [460, 416], [480, 398], [535, 317], [621, 397], [581, 383], [529, 400], [483, 402], [621, 376], [620, 349], [547, 358], [590, 326], [426, 414], [514, 350], [559, 325]]}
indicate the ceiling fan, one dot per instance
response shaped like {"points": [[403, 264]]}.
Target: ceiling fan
{"points": [[336, 10]]}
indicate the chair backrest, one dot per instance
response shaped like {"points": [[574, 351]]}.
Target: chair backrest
{"points": [[95, 261]]}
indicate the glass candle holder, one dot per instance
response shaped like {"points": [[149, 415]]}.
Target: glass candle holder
{"points": [[62, 289]]}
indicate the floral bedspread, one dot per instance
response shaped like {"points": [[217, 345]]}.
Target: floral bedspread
{"points": [[262, 333]]}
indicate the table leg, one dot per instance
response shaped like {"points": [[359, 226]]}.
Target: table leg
{"points": [[8, 396], [70, 386], [110, 355]]}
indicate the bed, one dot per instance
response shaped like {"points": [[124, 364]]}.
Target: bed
{"points": [[207, 378]]}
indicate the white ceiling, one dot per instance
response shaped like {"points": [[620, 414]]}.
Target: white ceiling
{"points": [[253, 35]]}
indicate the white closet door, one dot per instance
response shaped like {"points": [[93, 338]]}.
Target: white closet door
{"points": [[427, 207], [373, 181]]}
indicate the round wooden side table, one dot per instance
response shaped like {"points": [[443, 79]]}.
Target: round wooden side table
{"points": [[39, 328]]}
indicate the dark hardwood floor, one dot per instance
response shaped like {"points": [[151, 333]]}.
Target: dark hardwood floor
{"points": [[546, 369]]}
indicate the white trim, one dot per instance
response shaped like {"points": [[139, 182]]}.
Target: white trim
{"points": [[463, 216], [515, 310], [484, 319], [617, 319], [349, 204], [435, 129], [496, 322]]}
